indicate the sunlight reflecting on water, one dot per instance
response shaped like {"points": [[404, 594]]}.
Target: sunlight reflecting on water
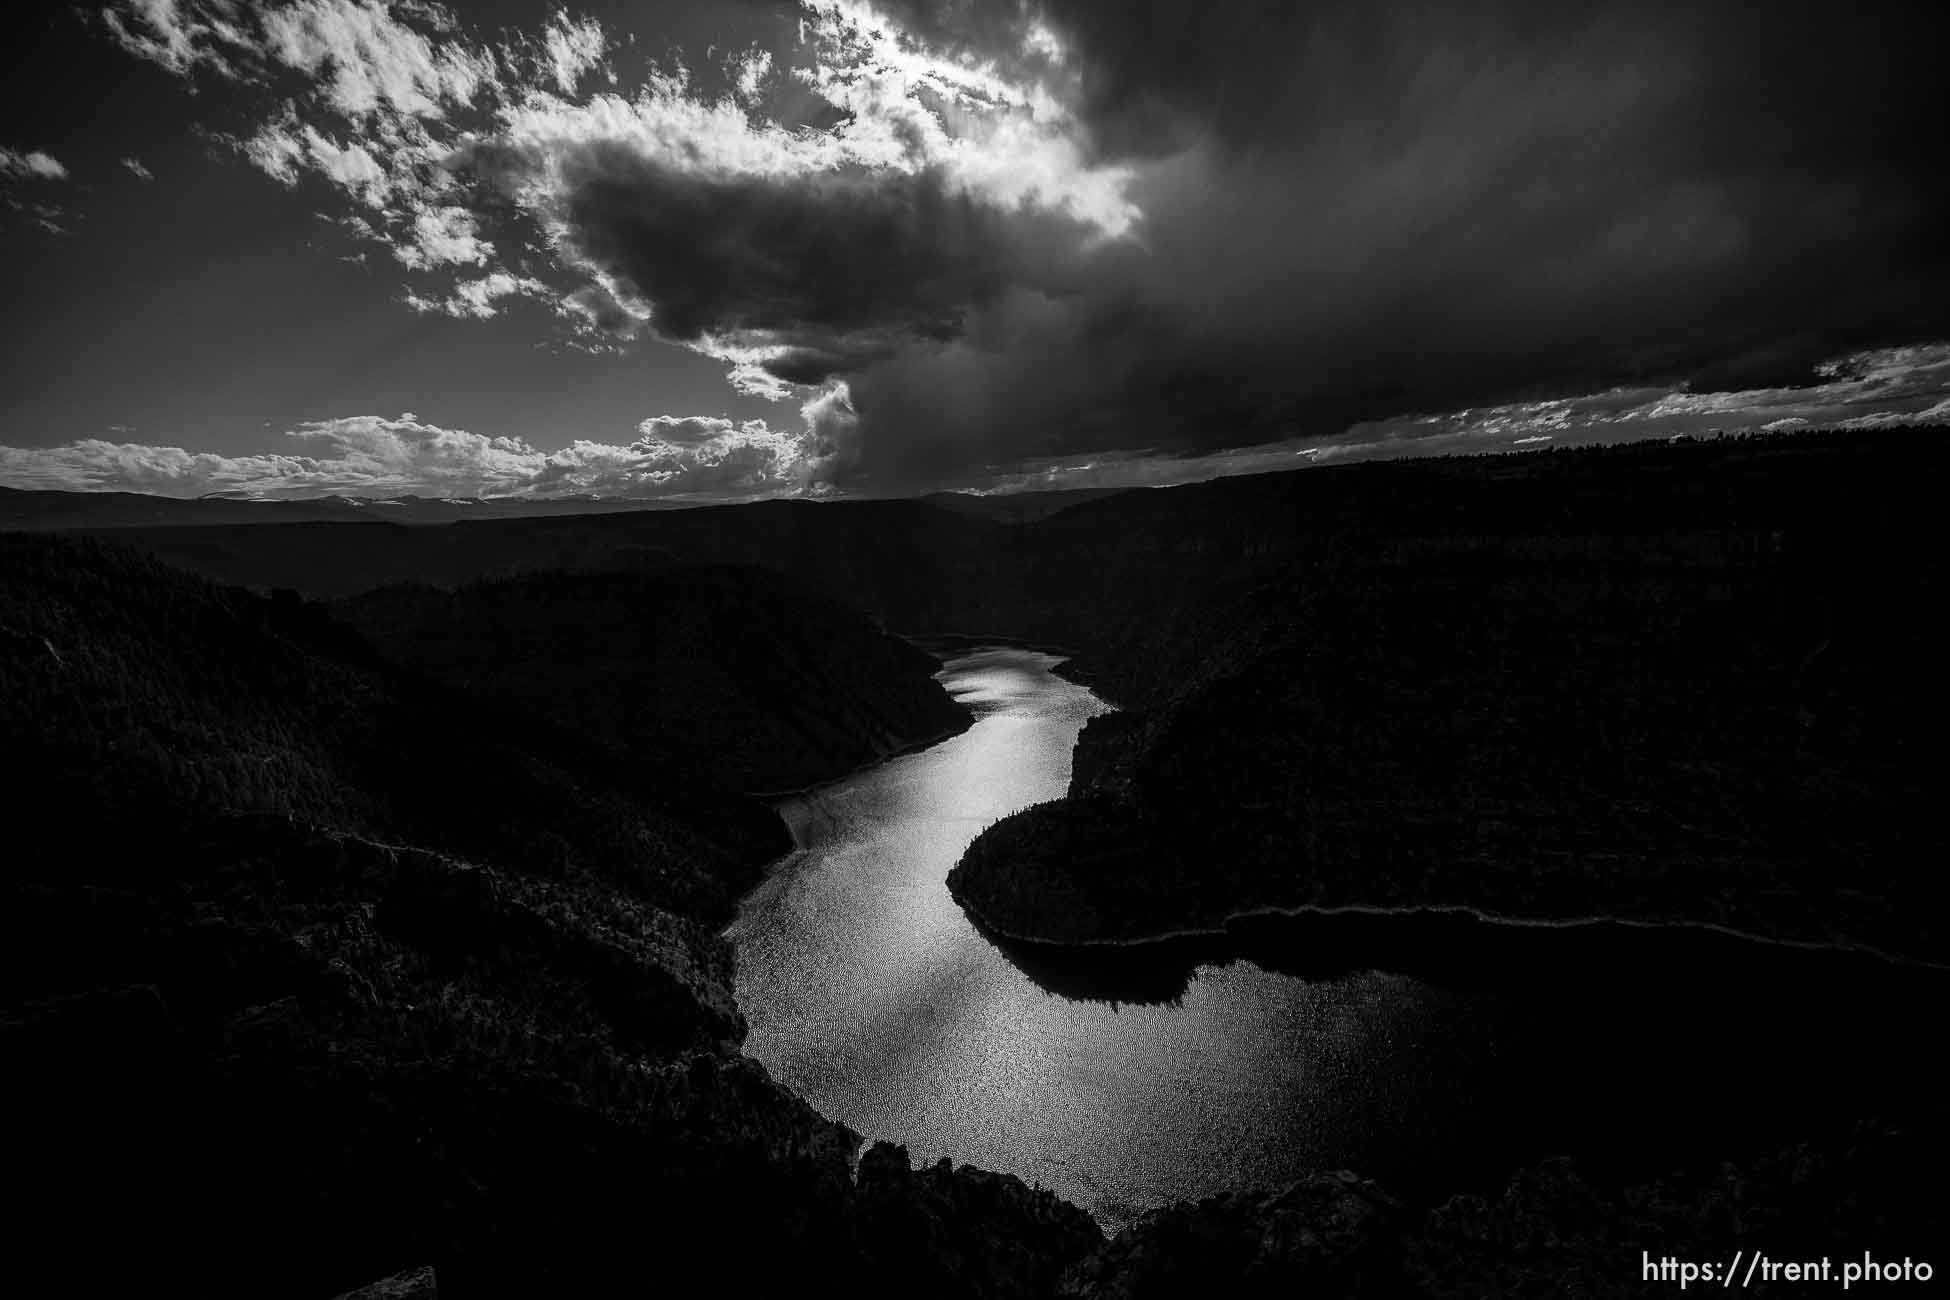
{"points": [[869, 993]]}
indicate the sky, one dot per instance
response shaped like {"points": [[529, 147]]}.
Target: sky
{"points": [[736, 249]]}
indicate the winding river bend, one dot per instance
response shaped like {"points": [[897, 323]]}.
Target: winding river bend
{"points": [[870, 993]]}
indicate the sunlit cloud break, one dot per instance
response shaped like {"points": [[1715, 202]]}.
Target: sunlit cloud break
{"points": [[377, 456], [31, 164], [525, 165], [1879, 388], [710, 458], [973, 241]]}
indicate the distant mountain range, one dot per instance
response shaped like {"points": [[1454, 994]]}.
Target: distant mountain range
{"points": [[48, 510]]}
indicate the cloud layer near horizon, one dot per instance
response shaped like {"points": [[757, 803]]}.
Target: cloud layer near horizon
{"points": [[984, 238], [372, 455], [708, 458]]}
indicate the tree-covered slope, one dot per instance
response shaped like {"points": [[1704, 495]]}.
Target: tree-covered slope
{"points": [[1691, 690], [770, 686], [316, 969]]}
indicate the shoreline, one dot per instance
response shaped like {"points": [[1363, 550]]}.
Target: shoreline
{"points": [[776, 798], [912, 746], [1223, 930], [902, 751], [967, 641]]}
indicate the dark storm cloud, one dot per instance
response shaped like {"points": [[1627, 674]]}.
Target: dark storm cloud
{"points": [[815, 365], [836, 270], [991, 235], [839, 253], [1781, 82], [1353, 211]]}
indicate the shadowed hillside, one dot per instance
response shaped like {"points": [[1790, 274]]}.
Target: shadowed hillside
{"points": [[140, 697], [1668, 680], [317, 970], [769, 687], [1679, 728], [888, 557], [1137, 581], [351, 952], [1691, 690], [1673, 680], [262, 1047]]}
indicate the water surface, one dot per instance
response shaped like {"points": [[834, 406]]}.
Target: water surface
{"points": [[869, 993]]}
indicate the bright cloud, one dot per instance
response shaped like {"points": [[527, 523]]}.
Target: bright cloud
{"points": [[977, 234], [365, 60], [183, 38], [749, 73], [714, 458], [16, 168], [477, 299], [793, 254], [575, 49], [31, 165], [704, 458], [1879, 388]]}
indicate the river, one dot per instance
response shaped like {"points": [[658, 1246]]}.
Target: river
{"points": [[869, 993]]}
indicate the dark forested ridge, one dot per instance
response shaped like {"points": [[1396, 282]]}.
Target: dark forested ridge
{"points": [[1137, 581], [139, 696], [318, 969], [1685, 728], [1676, 681], [377, 926], [1675, 684], [763, 684]]}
